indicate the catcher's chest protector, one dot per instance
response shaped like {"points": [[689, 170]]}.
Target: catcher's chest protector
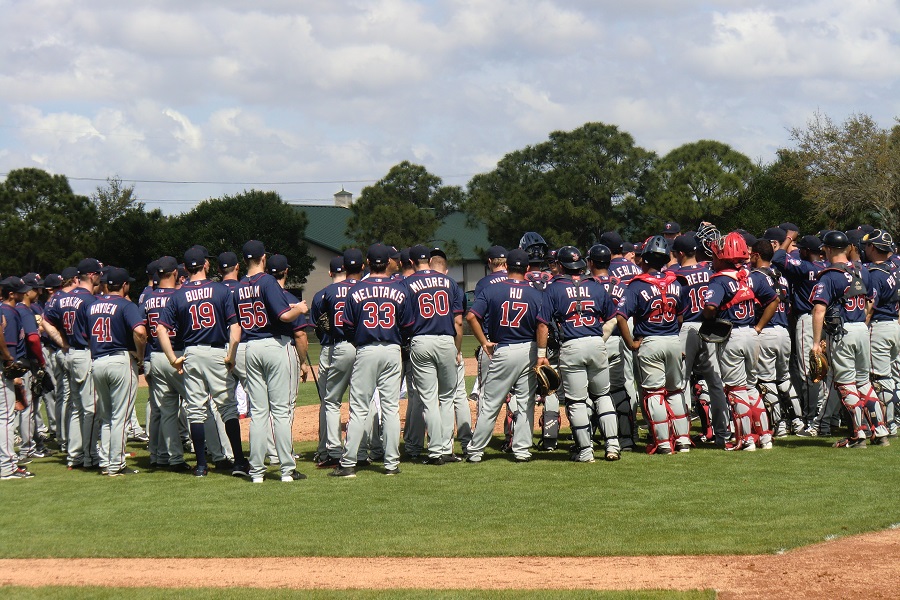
{"points": [[743, 293]]}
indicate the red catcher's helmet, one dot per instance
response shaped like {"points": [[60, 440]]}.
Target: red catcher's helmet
{"points": [[731, 248]]}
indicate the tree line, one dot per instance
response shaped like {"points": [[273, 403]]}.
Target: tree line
{"points": [[570, 188]]}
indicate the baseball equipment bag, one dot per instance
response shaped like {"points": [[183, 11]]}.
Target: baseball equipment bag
{"points": [[21, 398], [715, 331], [818, 366], [14, 369], [547, 380]]}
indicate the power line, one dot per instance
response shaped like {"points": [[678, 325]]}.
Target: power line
{"points": [[185, 182]]}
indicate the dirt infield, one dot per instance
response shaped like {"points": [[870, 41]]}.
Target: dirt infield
{"points": [[866, 566]]}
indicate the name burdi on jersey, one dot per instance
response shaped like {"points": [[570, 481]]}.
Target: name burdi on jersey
{"points": [[202, 293], [379, 291]]}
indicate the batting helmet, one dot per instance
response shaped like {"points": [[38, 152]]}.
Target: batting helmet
{"points": [[656, 245], [570, 258], [600, 255], [731, 248], [836, 239]]}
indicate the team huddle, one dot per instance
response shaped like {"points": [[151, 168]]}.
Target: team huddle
{"points": [[755, 338]]}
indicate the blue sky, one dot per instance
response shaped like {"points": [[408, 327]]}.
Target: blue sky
{"points": [[261, 94]]}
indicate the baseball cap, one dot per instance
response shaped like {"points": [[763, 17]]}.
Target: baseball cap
{"points": [[613, 241], [749, 238], [685, 243], [788, 226], [395, 254], [856, 236], [53, 280], [166, 264], [277, 263], [203, 248], [495, 252], [671, 227], [69, 273], [151, 267], [419, 252], [194, 257], [517, 258], [404, 257], [627, 247], [227, 260], [809, 242], [438, 252], [182, 272], [253, 249], [881, 239], [336, 265], [15, 284], [89, 265], [118, 276], [775, 234], [378, 254], [353, 257], [866, 228], [33, 280]]}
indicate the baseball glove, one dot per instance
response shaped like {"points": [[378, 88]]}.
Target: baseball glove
{"points": [[547, 380], [323, 326], [14, 369], [715, 331], [21, 398], [818, 366]]}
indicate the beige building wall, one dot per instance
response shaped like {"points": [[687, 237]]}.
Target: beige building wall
{"points": [[318, 278]]}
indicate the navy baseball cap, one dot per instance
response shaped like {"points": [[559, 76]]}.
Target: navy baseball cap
{"points": [[277, 263], [810, 242], [613, 241], [33, 280], [404, 257], [15, 284], [118, 276], [151, 268], [495, 252], [627, 247], [336, 265], [53, 280], [438, 252], [395, 254], [775, 234], [182, 272], [89, 265], [203, 248], [671, 227], [166, 264], [353, 257], [69, 273], [253, 249], [194, 257], [749, 238], [517, 258], [866, 229], [227, 260], [418, 253], [378, 255], [685, 243], [788, 226]]}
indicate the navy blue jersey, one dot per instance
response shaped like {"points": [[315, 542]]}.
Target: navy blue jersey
{"points": [[332, 301], [29, 324], [154, 304], [623, 269], [694, 283], [731, 291], [144, 293], [831, 286], [111, 321], [231, 284], [374, 311], [13, 332], [801, 275], [260, 302], [765, 292], [298, 324], [653, 300], [580, 310], [202, 312], [489, 279], [63, 316], [510, 311], [884, 290], [434, 302]]}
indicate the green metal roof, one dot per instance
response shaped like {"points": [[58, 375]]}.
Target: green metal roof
{"points": [[328, 224]]}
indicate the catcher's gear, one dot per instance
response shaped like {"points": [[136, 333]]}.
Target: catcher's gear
{"points": [[14, 369], [715, 331], [21, 397], [818, 366], [731, 248], [535, 245], [600, 255], [707, 234], [547, 379], [570, 258]]}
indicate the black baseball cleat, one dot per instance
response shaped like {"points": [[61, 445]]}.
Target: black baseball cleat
{"points": [[293, 476], [433, 460], [346, 472], [452, 458], [201, 471], [181, 467], [123, 471], [394, 471], [241, 469], [224, 465], [523, 459], [328, 463]]}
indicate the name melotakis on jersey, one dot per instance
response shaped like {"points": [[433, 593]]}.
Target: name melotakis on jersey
{"points": [[375, 292], [203, 293]]}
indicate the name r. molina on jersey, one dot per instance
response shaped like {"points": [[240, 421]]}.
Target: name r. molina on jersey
{"points": [[671, 289]]}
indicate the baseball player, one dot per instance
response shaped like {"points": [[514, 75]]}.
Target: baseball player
{"points": [[839, 312], [31, 446], [203, 312], [883, 321], [14, 349], [699, 356], [374, 311], [53, 283], [435, 327], [730, 296], [580, 307], [338, 354], [271, 360], [117, 337], [653, 300], [496, 263], [772, 365], [44, 390], [513, 313]]}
